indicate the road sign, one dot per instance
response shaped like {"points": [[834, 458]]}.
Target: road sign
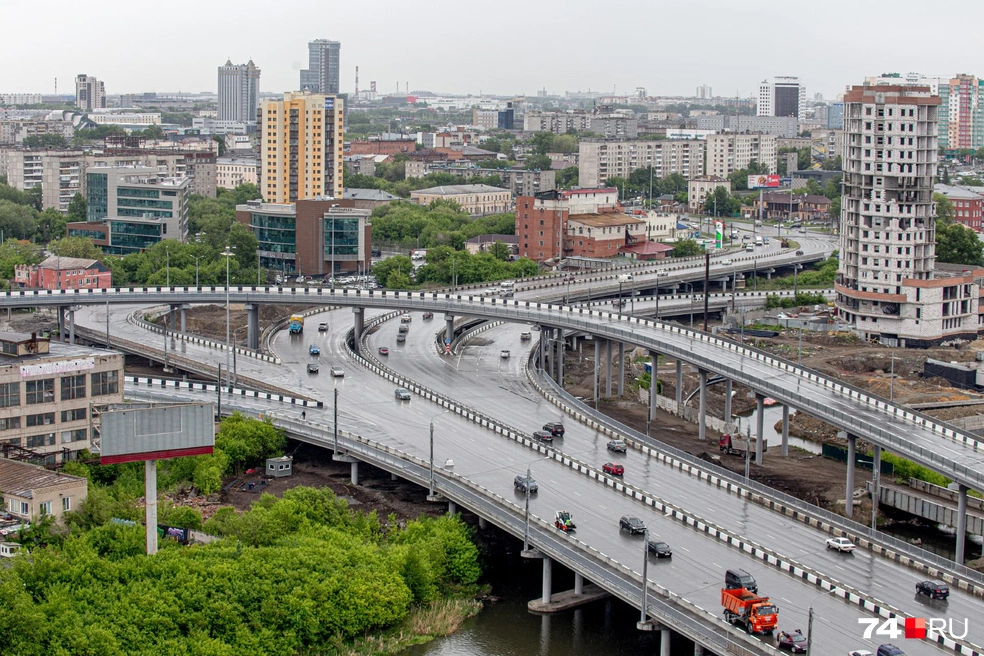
{"points": [[447, 349]]}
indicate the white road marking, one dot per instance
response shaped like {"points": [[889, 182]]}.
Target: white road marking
{"points": [[715, 564]]}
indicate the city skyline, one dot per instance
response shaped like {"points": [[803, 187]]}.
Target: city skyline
{"points": [[826, 52]]}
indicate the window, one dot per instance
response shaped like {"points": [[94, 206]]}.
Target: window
{"points": [[106, 382], [66, 503], [77, 414], [10, 423], [43, 419], [9, 395], [45, 507], [40, 391], [73, 387], [79, 435], [34, 441]]}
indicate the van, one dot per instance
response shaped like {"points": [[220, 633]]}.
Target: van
{"points": [[739, 578], [758, 241], [625, 277]]}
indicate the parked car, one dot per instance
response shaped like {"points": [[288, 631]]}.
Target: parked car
{"points": [[384, 350], [555, 428], [631, 524], [404, 328], [314, 349], [860, 652], [617, 446], [504, 353], [428, 315], [525, 337], [840, 544], [613, 468], [312, 368], [402, 394], [794, 642], [406, 318], [543, 436], [659, 549], [933, 589], [322, 327], [522, 482], [337, 372]]}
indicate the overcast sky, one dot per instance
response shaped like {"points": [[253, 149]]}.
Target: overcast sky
{"points": [[503, 47]]}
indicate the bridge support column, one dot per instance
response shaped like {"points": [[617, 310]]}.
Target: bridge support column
{"points": [[621, 368], [727, 401], [608, 368], [547, 579], [355, 472], [482, 524], [393, 477], [849, 499], [679, 387], [360, 324], [875, 480], [449, 328], [785, 431], [184, 318], [560, 357], [71, 325], [961, 524], [542, 346], [252, 326], [171, 318], [653, 401], [698, 650], [452, 509], [759, 427], [597, 369], [702, 419], [61, 323], [664, 641], [578, 584]]}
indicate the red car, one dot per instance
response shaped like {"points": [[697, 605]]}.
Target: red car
{"points": [[613, 468]]}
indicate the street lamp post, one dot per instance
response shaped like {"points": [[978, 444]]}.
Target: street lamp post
{"points": [[690, 298], [235, 347], [167, 265], [619, 298], [227, 253], [529, 478], [891, 382], [809, 620], [645, 577], [196, 272], [430, 487]]}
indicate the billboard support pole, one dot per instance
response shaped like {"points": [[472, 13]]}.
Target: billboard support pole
{"points": [[218, 393], [150, 494], [761, 211]]}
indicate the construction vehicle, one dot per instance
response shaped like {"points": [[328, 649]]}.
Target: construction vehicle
{"points": [[757, 614], [564, 521], [296, 325], [738, 445]]}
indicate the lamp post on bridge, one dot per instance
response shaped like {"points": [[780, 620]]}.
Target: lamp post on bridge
{"points": [[430, 488]]}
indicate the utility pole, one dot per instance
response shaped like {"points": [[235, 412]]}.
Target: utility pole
{"points": [[430, 492], [707, 282], [645, 577], [334, 422]]}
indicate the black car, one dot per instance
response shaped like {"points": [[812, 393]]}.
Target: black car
{"points": [[631, 524], [933, 589], [799, 252], [523, 482], [794, 642], [428, 315], [659, 549], [542, 436], [554, 428]]}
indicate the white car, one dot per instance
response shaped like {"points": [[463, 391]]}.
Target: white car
{"points": [[337, 372], [662, 272], [860, 652], [727, 262], [504, 353], [840, 544]]}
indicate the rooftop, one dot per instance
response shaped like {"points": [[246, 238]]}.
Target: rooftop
{"points": [[453, 190], [648, 248], [958, 192], [604, 220], [57, 351], [491, 239], [21, 478], [368, 194], [57, 263]]}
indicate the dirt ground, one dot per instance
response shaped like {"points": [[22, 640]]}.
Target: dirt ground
{"points": [[210, 320]]}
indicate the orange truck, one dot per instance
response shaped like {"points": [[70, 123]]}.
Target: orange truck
{"points": [[757, 614]]}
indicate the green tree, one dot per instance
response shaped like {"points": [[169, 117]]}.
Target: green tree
{"points": [[245, 244], [220, 139], [686, 248], [17, 221], [832, 164], [567, 177], [957, 244], [51, 225], [45, 141], [13, 252], [537, 163], [78, 208], [248, 441], [82, 247], [500, 251], [721, 203], [944, 208], [542, 143], [564, 143]]}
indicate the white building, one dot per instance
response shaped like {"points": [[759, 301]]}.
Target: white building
{"points": [[600, 159], [20, 98], [90, 93], [699, 188], [727, 153], [239, 92], [889, 286], [782, 96], [232, 171], [122, 118]]}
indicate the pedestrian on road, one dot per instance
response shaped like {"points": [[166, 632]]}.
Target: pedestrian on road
{"points": [[303, 414]]}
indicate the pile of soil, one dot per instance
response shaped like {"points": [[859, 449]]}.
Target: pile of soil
{"points": [[209, 321]]}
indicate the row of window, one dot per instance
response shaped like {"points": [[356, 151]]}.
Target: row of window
{"points": [[42, 419], [72, 387], [23, 509], [48, 439]]}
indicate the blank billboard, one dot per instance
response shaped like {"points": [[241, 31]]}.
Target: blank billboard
{"points": [[156, 432]]}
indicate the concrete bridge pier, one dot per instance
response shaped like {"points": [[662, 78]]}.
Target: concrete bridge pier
{"points": [[653, 362], [547, 580], [578, 584], [961, 523], [355, 472], [727, 401], [172, 319], [61, 323], [698, 650], [849, 498], [621, 368], [560, 357], [664, 641], [71, 323], [354, 469], [542, 346], [184, 316], [452, 508], [702, 419], [252, 325], [449, 328], [785, 431], [759, 427], [608, 368], [482, 524], [360, 325], [597, 369], [393, 477], [679, 387]]}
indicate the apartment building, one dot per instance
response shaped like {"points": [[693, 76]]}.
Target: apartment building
{"points": [[541, 219], [962, 112], [699, 188], [47, 391], [602, 159], [967, 204], [615, 126], [782, 126], [234, 170], [239, 92], [301, 147], [13, 132], [472, 198], [313, 237], [727, 153], [889, 286], [90, 93]]}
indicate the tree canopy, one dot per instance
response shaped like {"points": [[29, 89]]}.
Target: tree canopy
{"points": [[958, 244]]}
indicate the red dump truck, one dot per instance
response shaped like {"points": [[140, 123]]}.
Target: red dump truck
{"points": [[757, 614]]}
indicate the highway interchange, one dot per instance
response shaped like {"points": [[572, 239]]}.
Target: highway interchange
{"points": [[480, 378]]}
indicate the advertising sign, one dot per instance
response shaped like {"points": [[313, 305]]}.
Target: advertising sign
{"points": [[138, 433], [718, 234], [59, 367], [760, 181]]}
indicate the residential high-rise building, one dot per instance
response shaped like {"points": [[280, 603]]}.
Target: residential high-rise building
{"points": [[321, 75], [239, 92], [782, 96], [601, 159], [729, 152], [90, 93], [301, 154], [962, 113], [889, 286]]}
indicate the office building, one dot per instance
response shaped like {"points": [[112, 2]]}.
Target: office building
{"points": [[782, 96], [835, 116], [90, 93], [962, 113], [46, 393], [889, 286], [727, 153], [301, 147], [600, 159], [541, 219], [63, 273], [472, 198], [313, 237], [322, 74], [239, 92]]}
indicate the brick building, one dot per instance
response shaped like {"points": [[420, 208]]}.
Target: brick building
{"points": [[541, 219], [381, 147], [63, 273], [967, 204], [602, 235]]}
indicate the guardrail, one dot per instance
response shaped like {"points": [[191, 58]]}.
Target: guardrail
{"points": [[167, 383]]}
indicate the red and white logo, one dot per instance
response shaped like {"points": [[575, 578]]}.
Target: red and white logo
{"points": [[916, 628]]}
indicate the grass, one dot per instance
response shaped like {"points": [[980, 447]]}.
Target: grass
{"points": [[424, 623]]}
